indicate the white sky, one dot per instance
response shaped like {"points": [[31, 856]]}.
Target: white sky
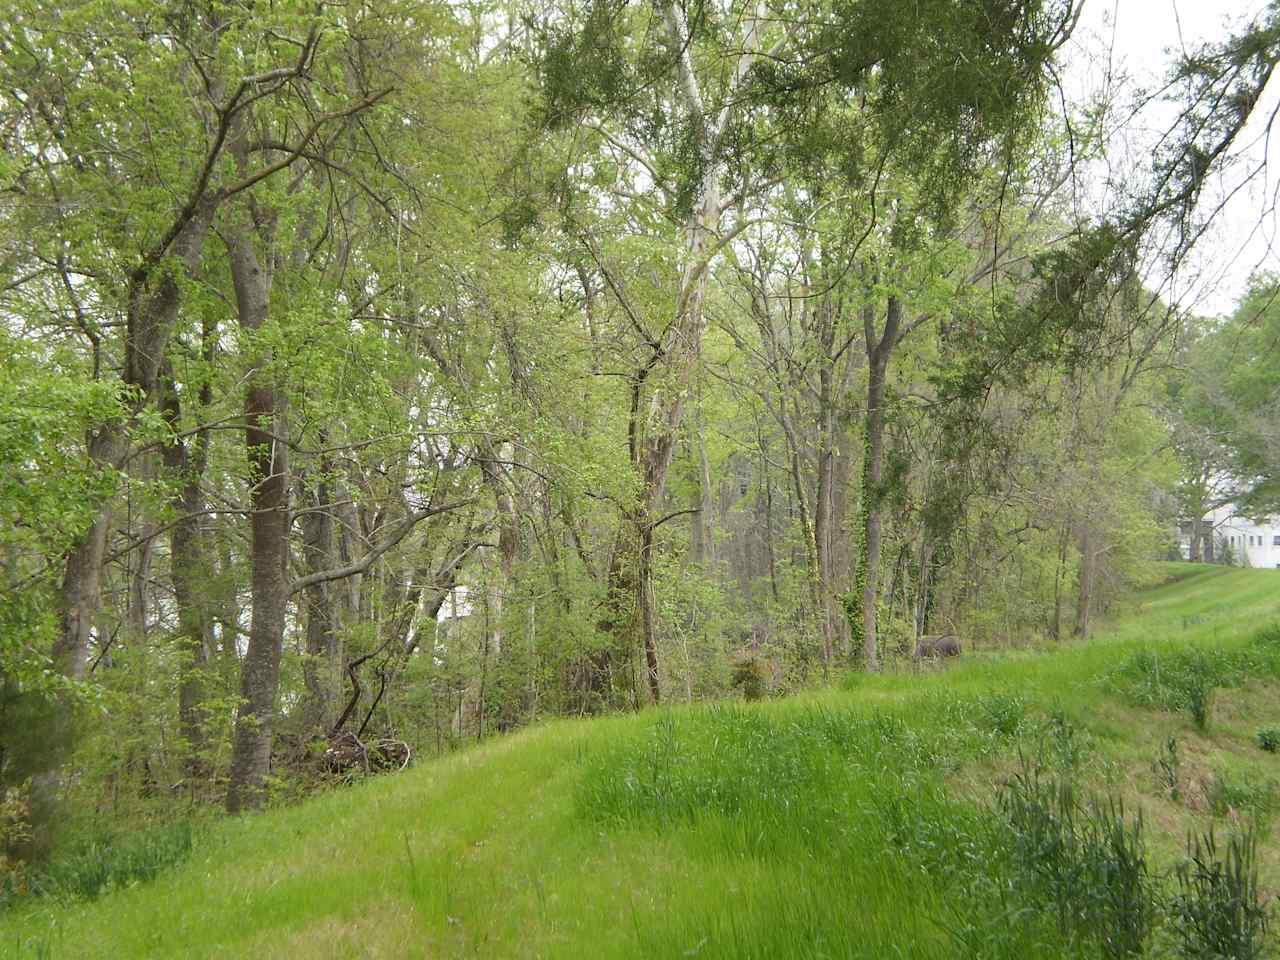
{"points": [[1141, 35]]}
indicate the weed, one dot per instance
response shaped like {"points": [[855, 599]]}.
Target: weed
{"points": [[1167, 768], [1002, 713], [1200, 702], [1269, 739], [1217, 911], [15, 829], [1243, 792], [1062, 741], [1086, 861], [1181, 679], [1268, 638]]}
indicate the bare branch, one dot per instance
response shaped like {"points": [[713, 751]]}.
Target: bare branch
{"points": [[402, 530]]}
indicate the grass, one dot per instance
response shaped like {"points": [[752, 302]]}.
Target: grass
{"points": [[105, 861], [859, 821]]}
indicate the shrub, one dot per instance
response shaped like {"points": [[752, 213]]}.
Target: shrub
{"points": [[749, 677], [1217, 911], [15, 830], [1002, 713], [1269, 739]]}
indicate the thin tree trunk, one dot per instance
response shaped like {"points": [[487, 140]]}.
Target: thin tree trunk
{"points": [[135, 617], [657, 409], [1059, 578], [878, 352], [824, 513], [1084, 587], [646, 605], [321, 670], [82, 576], [508, 541], [189, 568], [702, 536]]}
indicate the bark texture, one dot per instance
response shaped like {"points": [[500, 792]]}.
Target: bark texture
{"points": [[879, 349], [269, 531]]}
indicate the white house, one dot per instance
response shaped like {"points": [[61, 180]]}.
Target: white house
{"points": [[1248, 543]]}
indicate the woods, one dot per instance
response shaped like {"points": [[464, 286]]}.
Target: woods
{"points": [[412, 372]]}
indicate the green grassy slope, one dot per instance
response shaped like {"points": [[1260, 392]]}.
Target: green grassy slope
{"points": [[849, 822]]}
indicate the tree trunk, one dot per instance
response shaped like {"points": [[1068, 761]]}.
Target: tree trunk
{"points": [[702, 535], [1196, 552], [322, 668], [135, 617], [189, 568], [646, 606], [154, 295], [660, 386], [824, 518], [1059, 578], [1084, 586], [508, 540], [269, 533], [82, 576], [620, 620], [878, 352]]}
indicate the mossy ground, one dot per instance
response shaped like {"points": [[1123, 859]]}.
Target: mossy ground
{"points": [[852, 821]]}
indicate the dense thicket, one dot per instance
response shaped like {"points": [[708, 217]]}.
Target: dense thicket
{"points": [[377, 376]]}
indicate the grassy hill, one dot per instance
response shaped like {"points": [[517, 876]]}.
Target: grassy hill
{"points": [[867, 820]]}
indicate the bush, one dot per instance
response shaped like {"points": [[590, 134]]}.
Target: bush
{"points": [[1217, 911], [1269, 739], [1002, 713], [15, 830], [749, 677]]}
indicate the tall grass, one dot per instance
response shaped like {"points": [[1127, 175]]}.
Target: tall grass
{"points": [[99, 863], [1084, 860], [889, 860], [1183, 677], [1219, 911], [859, 795]]}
